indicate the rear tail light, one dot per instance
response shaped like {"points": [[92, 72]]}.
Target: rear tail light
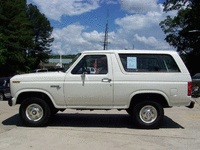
{"points": [[189, 88]]}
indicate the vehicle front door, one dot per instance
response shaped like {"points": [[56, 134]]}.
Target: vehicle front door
{"points": [[90, 83]]}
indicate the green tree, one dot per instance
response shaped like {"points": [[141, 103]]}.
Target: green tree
{"points": [[2, 55], [42, 39], [178, 30], [15, 32], [175, 4], [25, 36]]}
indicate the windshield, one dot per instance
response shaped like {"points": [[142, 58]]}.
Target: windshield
{"points": [[69, 65]]}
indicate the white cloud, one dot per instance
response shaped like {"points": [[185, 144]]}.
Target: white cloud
{"points": [[73, 30], [112, 2], [54, 9], [141, 30], [146, 25], [116, 41], [144, 20], [73, 39], [152, 42], [139, 21], [139, 6], [93, 37]]}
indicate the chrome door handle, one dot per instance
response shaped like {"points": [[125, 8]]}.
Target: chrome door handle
{"points": [[106, 80]]}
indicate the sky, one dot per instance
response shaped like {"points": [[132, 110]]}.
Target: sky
{"points": [[80, 24]]}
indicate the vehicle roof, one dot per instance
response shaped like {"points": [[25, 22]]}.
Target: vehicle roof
{"points": [[132, 51]]}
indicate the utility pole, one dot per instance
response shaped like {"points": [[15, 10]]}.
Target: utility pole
{"points": [[105, 43]]}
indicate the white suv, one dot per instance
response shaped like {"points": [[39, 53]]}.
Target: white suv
{"points": [[140, 82]]}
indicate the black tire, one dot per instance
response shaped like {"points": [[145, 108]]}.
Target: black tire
{"points": [[34, 112], [148, 114]]}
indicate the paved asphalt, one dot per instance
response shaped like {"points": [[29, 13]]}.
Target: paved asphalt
{"points": [[100, 130]]}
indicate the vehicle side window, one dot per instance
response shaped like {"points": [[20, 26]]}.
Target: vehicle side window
{"points": [[170, 64], [148, 63], [92, 64]]}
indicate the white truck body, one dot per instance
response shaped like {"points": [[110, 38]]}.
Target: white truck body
{"points": [[113, 90]]}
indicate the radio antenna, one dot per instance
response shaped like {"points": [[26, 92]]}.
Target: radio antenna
{"points": [[105, 43]]}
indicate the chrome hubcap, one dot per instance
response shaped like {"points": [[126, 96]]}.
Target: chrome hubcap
{"points": [[34, 112], [148, 114]]}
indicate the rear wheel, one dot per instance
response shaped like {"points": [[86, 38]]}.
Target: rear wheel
{"points": [[148, 114], [34, 112]]}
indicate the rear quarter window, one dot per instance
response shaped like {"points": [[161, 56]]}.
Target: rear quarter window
{"points": [[148, 63]]}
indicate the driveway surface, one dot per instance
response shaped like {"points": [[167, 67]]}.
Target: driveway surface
{"points": [[100, 130]]}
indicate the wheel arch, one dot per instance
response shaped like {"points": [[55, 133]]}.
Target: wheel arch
{"points": [[20, 96], [156, 96]]}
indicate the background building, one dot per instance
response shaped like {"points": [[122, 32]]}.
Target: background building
{"points": [[55, 63]]}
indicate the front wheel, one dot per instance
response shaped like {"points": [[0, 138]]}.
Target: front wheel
{"points": [[148, 114], [34, 112]]}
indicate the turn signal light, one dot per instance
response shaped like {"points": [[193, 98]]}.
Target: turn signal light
{"points": [[16, 82]]}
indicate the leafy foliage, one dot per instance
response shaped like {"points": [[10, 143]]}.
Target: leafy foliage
{"points": [[179, 29], [41, 34], [2, 53], [175, 4], [24, 37]]}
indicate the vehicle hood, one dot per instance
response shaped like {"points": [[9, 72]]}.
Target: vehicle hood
{"points": [[42, 77]]}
